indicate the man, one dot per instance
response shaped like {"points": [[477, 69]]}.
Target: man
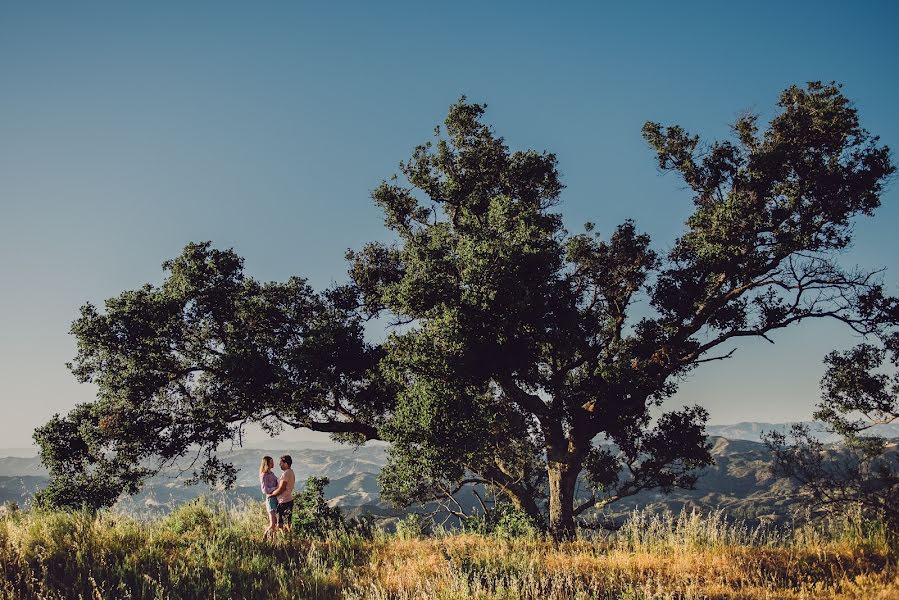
{"points": [[284, 493]]}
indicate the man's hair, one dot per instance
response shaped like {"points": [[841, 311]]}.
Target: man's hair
{"points": [[286, 458]]}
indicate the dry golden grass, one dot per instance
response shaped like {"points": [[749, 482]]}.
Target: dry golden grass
{"points": [[204, 552], [469, 566]]}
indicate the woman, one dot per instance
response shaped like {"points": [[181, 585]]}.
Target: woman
{"points": [[268, 481]]}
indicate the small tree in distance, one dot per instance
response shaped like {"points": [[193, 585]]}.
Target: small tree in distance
{"points": [[862, 472], [520, 348]]}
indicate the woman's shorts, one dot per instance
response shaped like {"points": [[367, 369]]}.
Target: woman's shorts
{"points": [[272, 503]]}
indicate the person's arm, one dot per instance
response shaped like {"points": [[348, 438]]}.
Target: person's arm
{"points": [[278, 489]]}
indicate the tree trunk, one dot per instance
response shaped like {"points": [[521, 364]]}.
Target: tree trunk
{"points": [[562, 481], [527, 505], [516, 493]]}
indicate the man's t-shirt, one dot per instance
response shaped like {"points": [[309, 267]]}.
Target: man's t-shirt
{"points": [[289, 480]]}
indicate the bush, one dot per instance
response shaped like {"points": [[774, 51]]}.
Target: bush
{"points": [[510, 522], [411, 527], [312, 516], [363, 526], [196, 516], [504, 521]]}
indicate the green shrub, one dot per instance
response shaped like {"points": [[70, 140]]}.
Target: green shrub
{"points": [[505, 521], [312, 516], [413, 526], [363, 526], [510, 522], [196, 516]]}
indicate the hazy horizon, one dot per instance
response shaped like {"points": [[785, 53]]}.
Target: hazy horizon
{"points": [[130, 130]]}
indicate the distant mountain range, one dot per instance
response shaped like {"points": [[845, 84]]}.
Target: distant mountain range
{"points": [[753, 430], [739, 482], [353, 473]]}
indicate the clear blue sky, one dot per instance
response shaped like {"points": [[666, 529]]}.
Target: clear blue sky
{"points": [[128, 130]]}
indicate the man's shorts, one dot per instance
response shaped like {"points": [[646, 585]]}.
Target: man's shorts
{"points": [[285, 510]]}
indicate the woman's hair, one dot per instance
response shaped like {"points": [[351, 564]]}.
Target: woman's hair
{"points": [[267, 464]]}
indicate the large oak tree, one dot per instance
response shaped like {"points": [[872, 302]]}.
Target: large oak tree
{"points": [[516, 357]]}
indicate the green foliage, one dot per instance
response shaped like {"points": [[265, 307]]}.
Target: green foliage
{"points": [[186, 365], [412, 526], [504, 521], [512, 522], [858, 392], [83, 474], [81, 491], [362, 526], [194, 518], [312, 517], [311, 514], [524, 345]]}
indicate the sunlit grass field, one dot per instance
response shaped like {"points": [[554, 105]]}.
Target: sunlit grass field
{"points": [[200, 551]]}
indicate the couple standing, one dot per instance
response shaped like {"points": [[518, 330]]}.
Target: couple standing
{"points": [[278, 493]]}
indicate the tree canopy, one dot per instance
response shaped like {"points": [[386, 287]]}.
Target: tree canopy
{"points": [[183, 367], [862, 471], [516, 357]]}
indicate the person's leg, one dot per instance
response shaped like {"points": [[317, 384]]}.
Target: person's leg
{"points": [[285, 511], [271, 506], [282, 517], [272, 524], [288, 517]]}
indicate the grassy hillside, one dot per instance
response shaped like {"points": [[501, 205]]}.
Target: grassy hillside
{"points": [[202, 552]]}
